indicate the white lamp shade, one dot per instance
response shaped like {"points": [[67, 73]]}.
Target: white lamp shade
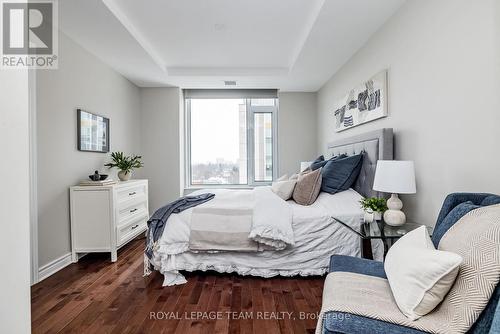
{"points": [[304, 165], [393, 176]]}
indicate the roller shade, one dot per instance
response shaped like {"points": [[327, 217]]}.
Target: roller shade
{"points": [[230, 93]]}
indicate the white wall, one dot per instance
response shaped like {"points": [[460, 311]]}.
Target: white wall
{"points": [[160, 138], [82, 81], [444, 80], [297, 128], [14, 203]]}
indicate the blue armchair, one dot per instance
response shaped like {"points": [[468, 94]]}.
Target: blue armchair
{"points": [[488, 321]]}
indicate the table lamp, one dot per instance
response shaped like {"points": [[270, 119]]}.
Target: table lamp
{"points": [[395, 177]]}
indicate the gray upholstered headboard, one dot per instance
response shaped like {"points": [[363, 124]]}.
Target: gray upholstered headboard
{"points": [[377, 145]]}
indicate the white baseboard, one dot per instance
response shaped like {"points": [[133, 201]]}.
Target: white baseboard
{"points": [[54, 266]]}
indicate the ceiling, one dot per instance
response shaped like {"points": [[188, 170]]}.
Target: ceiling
{"points": [[292, 45]]}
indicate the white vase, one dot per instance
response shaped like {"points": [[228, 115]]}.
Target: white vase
{"points": [[394, 216], [377, 216], [124, 176]]}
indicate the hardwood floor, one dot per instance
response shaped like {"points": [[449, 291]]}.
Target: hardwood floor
{"points": [[97, 296]]}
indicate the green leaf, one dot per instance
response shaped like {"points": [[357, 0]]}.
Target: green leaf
{"points": [[374, 204], [124, 163]]}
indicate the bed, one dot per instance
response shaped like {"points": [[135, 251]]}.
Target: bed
{"points": [[315, 235]]}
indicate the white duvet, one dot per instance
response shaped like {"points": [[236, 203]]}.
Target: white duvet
{"points": [[236, 220], [316, 238]]}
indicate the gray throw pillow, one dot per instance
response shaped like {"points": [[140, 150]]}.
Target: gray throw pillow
{"points": [[307, 188]]}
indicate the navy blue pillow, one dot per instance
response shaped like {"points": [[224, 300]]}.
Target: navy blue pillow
{"points": [[451, 218], [341, 173], [318, 163]]}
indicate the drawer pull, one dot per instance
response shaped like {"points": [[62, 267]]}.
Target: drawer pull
{"points": [[133, 210], [135, 226], [132, 193]]}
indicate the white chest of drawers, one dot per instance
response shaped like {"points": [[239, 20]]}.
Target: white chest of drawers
{"points": [[105, 218]]}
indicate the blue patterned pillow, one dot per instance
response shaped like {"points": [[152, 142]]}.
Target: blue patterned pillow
{"points": [[341, 173], [451, 218]]}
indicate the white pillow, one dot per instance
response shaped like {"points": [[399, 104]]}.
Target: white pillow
{"points": [[284, 189], [419, 275]]}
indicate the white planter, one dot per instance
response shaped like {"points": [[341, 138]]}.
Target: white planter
{"points": [[124, 176], [372, 216]]}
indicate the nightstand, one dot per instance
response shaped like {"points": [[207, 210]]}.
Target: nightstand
{"points": [[380, 230]]}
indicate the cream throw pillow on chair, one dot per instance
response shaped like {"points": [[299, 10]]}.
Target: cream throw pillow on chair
{"points": [[419, 275]]}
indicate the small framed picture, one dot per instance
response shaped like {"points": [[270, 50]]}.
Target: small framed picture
{"points": [[93, 132]]}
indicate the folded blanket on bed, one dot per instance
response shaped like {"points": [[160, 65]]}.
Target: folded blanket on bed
{"points": [[221, 229], [247, 221], [156, 224]]}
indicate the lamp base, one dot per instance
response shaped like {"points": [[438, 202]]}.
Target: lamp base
{"points": [[394, 216]]}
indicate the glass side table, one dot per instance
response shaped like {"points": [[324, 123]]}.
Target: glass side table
{"points": [[380, 230]]}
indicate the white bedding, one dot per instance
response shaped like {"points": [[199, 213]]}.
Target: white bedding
{"points": [[236, 220], [316, 236]]}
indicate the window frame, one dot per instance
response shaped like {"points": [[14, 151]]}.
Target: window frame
{"points": [[250, 131]]}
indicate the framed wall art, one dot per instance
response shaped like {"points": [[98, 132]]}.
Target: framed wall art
{"points": [[93, 132], [364, 103]]}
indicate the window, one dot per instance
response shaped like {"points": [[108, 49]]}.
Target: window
{"points": [[230, 141], [263, 147]]}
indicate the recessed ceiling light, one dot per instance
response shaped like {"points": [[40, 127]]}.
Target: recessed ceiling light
{"points": [[229, 82]]}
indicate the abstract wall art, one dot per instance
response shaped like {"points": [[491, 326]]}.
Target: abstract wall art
{"points": [[365, 103]]}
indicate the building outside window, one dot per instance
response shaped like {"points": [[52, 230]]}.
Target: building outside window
{"points": [[230, 138]]}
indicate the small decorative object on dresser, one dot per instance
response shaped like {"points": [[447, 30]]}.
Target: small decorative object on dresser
{"points": [[106, 217], [106, 182], [126, 164], [374, 208], [98, 177], [396, 177]]}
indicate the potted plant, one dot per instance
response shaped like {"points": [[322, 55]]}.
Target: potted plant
{"points": [[126, 164], [373, 207]]}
